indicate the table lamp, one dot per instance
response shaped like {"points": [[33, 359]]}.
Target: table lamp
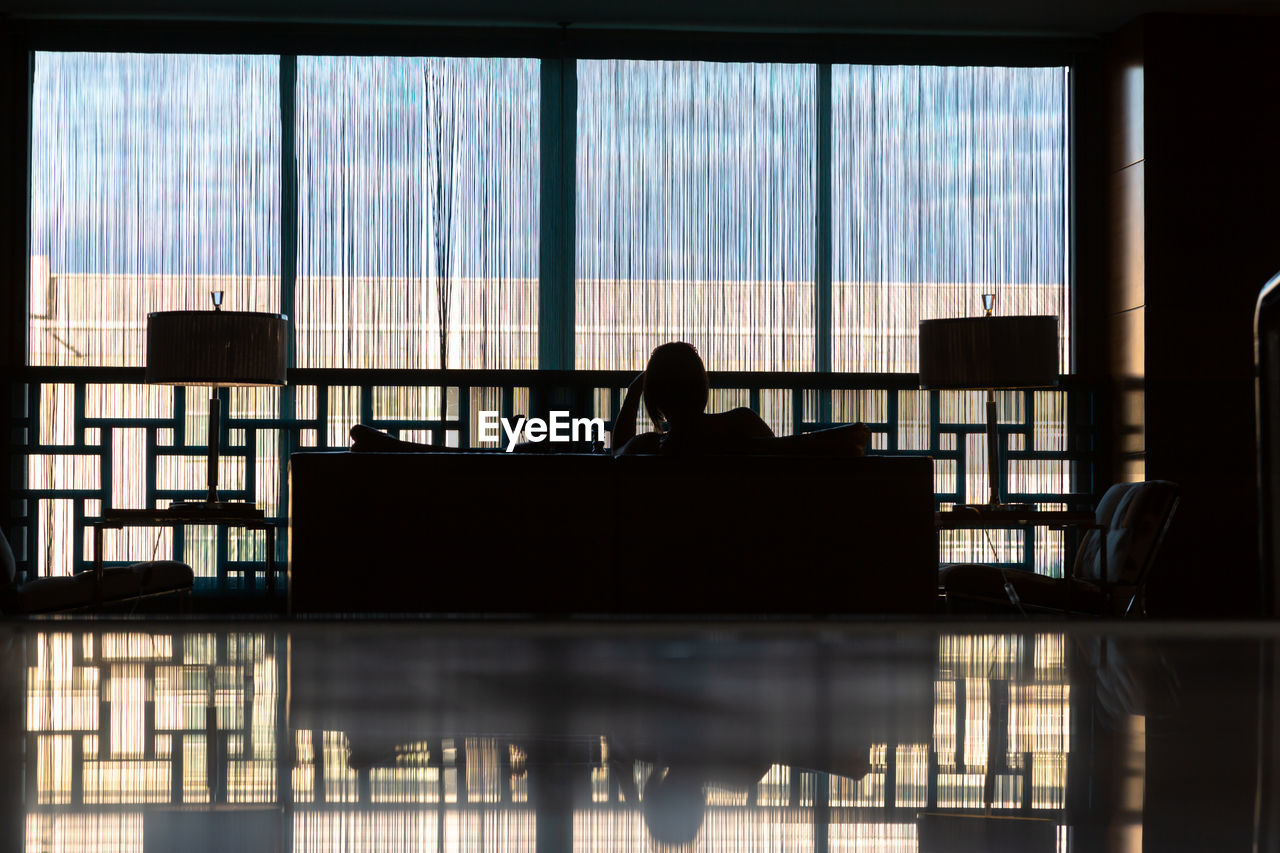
{"points": [[989, 353], [221, 349]]}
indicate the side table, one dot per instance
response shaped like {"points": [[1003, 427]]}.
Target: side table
{"points": [[995, 517], [246, 516]]}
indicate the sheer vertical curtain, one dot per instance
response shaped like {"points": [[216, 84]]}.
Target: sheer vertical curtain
{"points": [[947, 183], [154, 179], [696, 204], [417, 212]]}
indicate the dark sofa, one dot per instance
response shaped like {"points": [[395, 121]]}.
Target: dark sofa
{"points": [[562, 534]]}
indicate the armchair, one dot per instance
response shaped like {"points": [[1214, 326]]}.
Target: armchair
{"points": [[1132, 519], [87, 589]]}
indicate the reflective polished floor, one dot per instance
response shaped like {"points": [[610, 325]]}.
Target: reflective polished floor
{"points": [[373, 736]]}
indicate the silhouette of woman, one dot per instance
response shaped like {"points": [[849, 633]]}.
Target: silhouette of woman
{"points": [[675, 389]]}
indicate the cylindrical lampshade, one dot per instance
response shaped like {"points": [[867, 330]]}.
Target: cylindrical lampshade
{"points": [[989, 352], [220, 348]]}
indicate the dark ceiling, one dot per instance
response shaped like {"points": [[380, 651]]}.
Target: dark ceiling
{"points": [[1059, 17]]}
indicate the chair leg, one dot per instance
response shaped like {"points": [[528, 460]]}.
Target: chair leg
{"points": [[1137, 604]]}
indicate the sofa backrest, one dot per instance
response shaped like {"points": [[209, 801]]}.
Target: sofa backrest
{"points": [[776, 534], [581, 533], [435, 532]]}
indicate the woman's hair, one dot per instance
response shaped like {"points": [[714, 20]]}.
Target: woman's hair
{"points": [[675, 383]]}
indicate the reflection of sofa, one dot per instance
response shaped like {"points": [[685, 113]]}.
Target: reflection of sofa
{"points": [[678, 693], [569, 533]]}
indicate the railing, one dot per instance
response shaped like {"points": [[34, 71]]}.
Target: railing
{"points": [[91, 438]]}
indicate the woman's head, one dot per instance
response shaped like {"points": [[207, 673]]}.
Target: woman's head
{"points": [[675, 383], [674, 807]]}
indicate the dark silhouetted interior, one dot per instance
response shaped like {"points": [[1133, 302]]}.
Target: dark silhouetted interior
{"points": [[622, 655]]}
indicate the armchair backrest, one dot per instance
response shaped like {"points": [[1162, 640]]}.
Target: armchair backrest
{"points": [[1133, 518], [8, 565]]}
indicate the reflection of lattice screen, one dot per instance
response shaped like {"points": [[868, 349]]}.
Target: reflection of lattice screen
{"points": [[125, 718]]}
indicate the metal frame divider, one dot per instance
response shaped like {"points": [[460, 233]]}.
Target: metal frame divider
{"points": [[558, 212]]}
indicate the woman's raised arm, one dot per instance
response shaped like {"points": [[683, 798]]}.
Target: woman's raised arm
{"points": [[624, 426]]}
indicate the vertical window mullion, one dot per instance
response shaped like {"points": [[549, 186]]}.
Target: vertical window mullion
{"points": [[822, 226], [557, 202], [1068, 215], [822, 318], [286, 439], [289, 201]]}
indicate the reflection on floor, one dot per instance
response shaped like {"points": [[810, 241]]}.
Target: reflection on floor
{"points": [[362, 737]]}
